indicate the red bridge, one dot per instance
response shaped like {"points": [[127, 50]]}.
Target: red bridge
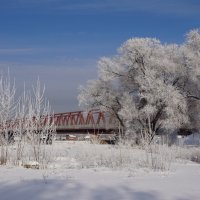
{"points": [[76, 123], [80, 122]]}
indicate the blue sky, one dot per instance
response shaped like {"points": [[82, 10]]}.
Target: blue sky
{"points": [[61, 40]]}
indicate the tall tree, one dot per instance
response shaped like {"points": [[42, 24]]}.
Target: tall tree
{"points": [[147, 84]]}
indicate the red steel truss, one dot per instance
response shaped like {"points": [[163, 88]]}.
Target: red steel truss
{"points": [[81, 119], [72, 121]]}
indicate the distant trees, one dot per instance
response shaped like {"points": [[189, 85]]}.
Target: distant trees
{"points": [[148, 86]]}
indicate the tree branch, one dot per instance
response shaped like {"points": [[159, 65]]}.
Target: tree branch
{"points": [[194, 97]]}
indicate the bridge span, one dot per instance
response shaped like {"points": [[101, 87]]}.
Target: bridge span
{"points": [[78, 123], [81, 123]]}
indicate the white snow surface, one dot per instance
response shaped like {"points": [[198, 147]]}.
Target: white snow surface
{"points": [[60, 182]]}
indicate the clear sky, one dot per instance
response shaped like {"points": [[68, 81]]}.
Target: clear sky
{"points": [[61, 40]]}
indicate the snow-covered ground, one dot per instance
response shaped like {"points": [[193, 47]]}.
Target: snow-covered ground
{"points": [[66, 179]]}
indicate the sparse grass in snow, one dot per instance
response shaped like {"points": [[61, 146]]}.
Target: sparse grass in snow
{"points": [[86, 155], [79, 154]]}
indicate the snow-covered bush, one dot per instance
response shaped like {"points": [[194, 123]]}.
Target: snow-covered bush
{"points": [[188, 153], [159, 157], [196, 157]]}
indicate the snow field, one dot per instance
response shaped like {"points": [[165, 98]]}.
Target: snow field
{"points": [[84, 171]]}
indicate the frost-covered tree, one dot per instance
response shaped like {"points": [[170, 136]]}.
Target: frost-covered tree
{"points": [[26, 123], [189, 82], [35, 122], [147, 84], [19, 131], [103, 95], [34, 125], [7, 112]]}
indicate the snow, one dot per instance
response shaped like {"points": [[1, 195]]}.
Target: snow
{"points": [[72, 136], [87, 137], [66, 179], [19, 183], [32, 163]]}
